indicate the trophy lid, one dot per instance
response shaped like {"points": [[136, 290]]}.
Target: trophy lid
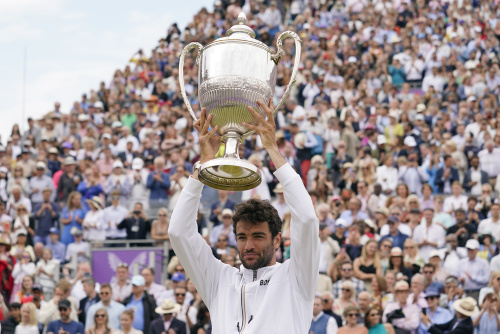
{"points": [[241, 28]]}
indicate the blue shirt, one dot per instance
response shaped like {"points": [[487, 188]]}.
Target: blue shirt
{"points": [[347, 215], [398, 240], [158, 189], [138, 314], [486, 325], [71, 327], [46, 220], [114, 310], [440, 316], [58, 250], [478, 269]]}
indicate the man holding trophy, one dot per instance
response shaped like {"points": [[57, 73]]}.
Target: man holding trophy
{"points": [[263, 296]]}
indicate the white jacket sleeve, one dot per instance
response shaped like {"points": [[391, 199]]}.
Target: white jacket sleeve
{"points": [[304, 232], [193, 252]]}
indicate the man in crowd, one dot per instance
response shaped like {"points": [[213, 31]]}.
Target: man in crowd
{"points": [[151, 287], [122, 288], [91, 299], [47, 216], [322, 323], [114, 309], [58, 248], [474, 272], [143, 304], [65, 324], [347, 274], [410, 312]]}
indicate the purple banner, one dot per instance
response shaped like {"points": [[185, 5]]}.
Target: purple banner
{"points": [[105, 262]]}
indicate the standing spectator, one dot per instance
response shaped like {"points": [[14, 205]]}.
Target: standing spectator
{"points": [[57, 248], [72, 217], [29, 320], [7, 263], [92, 298], [126, 320], [138, 178], [159, 183], [142, 303], [492, 224], [474, 272], [113, 309], [151, 287], [112, 216], [39, 182], [428, 236], [122, 288], [45, 273], [159, 227], [488, 159], [226, 229], [347, 274], [135, 223], [101, 323], [78, 249], [9, 324], [223, 202], [168, 321], [68, 180], [457, 200], [118, 181], [437, 314], [475, 177], [65, 323], [46, 215], [23, 279], [446, 176], [93, 225]]}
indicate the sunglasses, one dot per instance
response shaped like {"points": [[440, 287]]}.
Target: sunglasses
{"points": [[180, 294], [325, 300], [162, 215], [428, 272], [353, 315], [346, 290], [346, 269], [374, 314], [177, 270], [100, 315], [104, 293], [431, 297], [63, 309]]}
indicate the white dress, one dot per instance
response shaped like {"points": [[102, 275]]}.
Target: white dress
{"points": [[29, 329], [93, 229]]}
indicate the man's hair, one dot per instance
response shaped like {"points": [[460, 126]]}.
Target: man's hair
{"points": [[106, 285], [13, 306], [151, 270], [256, 211], [89, 281], [430, 265], [64, 285]]}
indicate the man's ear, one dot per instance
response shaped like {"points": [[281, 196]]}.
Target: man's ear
{"points": [[277, 241]]}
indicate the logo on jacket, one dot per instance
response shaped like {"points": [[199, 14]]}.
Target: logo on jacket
{"points": [[264, 281]]}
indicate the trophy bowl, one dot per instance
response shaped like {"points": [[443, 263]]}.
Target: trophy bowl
{"points": [[233, 73]]}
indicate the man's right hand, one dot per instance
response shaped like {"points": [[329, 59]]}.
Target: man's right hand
{"points": [[209, 142]]}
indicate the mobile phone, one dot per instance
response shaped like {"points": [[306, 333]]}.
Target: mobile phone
{"points": [[424, 311]]}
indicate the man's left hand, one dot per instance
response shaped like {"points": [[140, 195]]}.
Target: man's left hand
{"points": [[267, 128]]}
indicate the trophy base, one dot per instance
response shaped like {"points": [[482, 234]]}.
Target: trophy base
{"points": [[229, 174]]}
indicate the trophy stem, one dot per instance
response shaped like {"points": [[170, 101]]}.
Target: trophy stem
{"points": [[232, 145]]}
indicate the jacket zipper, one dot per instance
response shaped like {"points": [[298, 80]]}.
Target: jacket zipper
{"points": [[243, 311], [254, 275]]}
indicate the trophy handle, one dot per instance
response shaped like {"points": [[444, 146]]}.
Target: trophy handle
{"points": [[277, 57], [186, 49]]}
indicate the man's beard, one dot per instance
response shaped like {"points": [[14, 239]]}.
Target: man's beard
{"points": [[262, 260]]}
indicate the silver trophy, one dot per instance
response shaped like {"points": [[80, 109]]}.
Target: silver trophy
{"points": [[233, 73]]}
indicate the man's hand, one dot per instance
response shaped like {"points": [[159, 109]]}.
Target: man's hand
{"points": [[209, 143]]}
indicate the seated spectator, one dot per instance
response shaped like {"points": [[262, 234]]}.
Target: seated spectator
{"points": [[347, 298], [493, 287], [488, 321], [66, 323], [118, 181], [474, 272], [122, 288], [167, 310], [23, 280], [465, 308], [379, 294], [72, 217], [145, 314], [428, 236], [10, 323], [112, 216], [346, 273], [18, 181], [373, 321], [24, 224], [45, 273], [113, 309], [159, 227], [187, 314], [83, 271], [398, 238], [57, 248], [158, 183], [225, 229], [491, 224], [353, 243], [79, 249], [399, 313], [321, 322], [368, 265], [457, 200], [396, 264], [126, 320], [351, 314], [327, 303], [417, 295], [412, 259], [90, 186], [282, 208], [430, 274], [101, 323], [50, 312], [29, 320], [437, 314], [46, 215], [354, 213], [446, 176]]}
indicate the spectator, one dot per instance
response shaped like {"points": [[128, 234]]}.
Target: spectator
{"points": [[351, 314], [113, 309], [92, 297], [45, 273], [464, 308], [475, 177], [65, 322], [145, 314], [72, 217], [487, 321], [346, 273], [39, 183], [83, 271], [168, 321], [410, 312], [135, 223], [368, 265], [151, 287], [493, 287], [159, 227], [57, 248], [46, 215], [462, 230], [19, 180], [51, 313], [226, 229], [79, 249], [101, 322], [118, 181], [112, 216], [491, 224], [159, 183], [29, 320], [446, 176], [398, 238], [138, 178], [354, 212], [474, 271], [428, 236], [223, 202], [434, 312], [122, 288], [321, 322], [69, 179], [23, 279], [126, 320], [93, 224], [373, 321], [10, 323]]}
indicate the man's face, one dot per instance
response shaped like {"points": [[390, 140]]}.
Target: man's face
{"points": [[495, 211], [122, 273], [180, 295], [432, 301], [346, 271], [472, 253], [105, 294], [402, 295], [16, 314], [317, 307], [148, 277], [256, 246], [429, 215], [64, 312], [227, 220], [353, 204], [364, 301], [459, 216], [137, 290], [88, 288], [54, 237], [428, 271], [393, 226], [474, 162], [417, 286], [46, 196], [327, 302]]}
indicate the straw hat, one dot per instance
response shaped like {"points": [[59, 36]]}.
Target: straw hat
{"points": [[278, 189], [168, 306], [96, 201], [466, 306], [401, 286], [3, 241], [396, 251]]}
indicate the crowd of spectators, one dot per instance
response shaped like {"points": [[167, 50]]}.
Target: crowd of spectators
{"points": [[393, 125]]}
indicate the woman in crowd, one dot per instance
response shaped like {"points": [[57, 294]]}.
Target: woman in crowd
{"points": [[396, 263], [402, 191], [126, 320], [22, 247], [384, 251], [347, 298], [426, 200], [7, 263], [23, 279], [101, 323], [352, 326], [159, 227], [493, 287], [93, 229], [19, 180], [412, 260], [178, 181], [390, 280], [368, 265], [72, 216], [29, 320], [373, 321], [487, 247], [379, 287], [488, 321], [23, 222], [46, 272], [412, 202]]}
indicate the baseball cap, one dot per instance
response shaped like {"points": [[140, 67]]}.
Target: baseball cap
{"points": [[117, 164], [401, 286], [64, 303], [106, 135], [227, 212], [178, 277], [410, 141], [137, 163], [383, 210], [472, 244], [40, 165], [433, 253], [138, 280], [381, 140], [76, 231], [54, 230], [432, 292], [37, 286], [341, 222]]}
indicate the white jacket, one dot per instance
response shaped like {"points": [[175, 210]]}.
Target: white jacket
{"points": [[277, 299]]}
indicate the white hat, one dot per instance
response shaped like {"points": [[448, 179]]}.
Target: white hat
{"points": [[433, 253], [306, 26], [106, 135], [99, 105], [410, 141], [137, 163], [472, 244], [352, 59], [421, 107], [117, 164], [419, 117], [395, 39], [394, 114], [466, 306], [300, 140], [168, 306], [312, 113], [381, 140], [41, 164], [278, 189], [227, 212], [83, 118], [453, 35], [471, 98], [401, 286], [341, 222], [317, 158], [116, 124]]}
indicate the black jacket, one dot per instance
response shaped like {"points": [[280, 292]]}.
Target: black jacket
{"points": [[464, 327], [9, 325], [157, 326], [149, 304], [82, 316], [467, 179]]}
